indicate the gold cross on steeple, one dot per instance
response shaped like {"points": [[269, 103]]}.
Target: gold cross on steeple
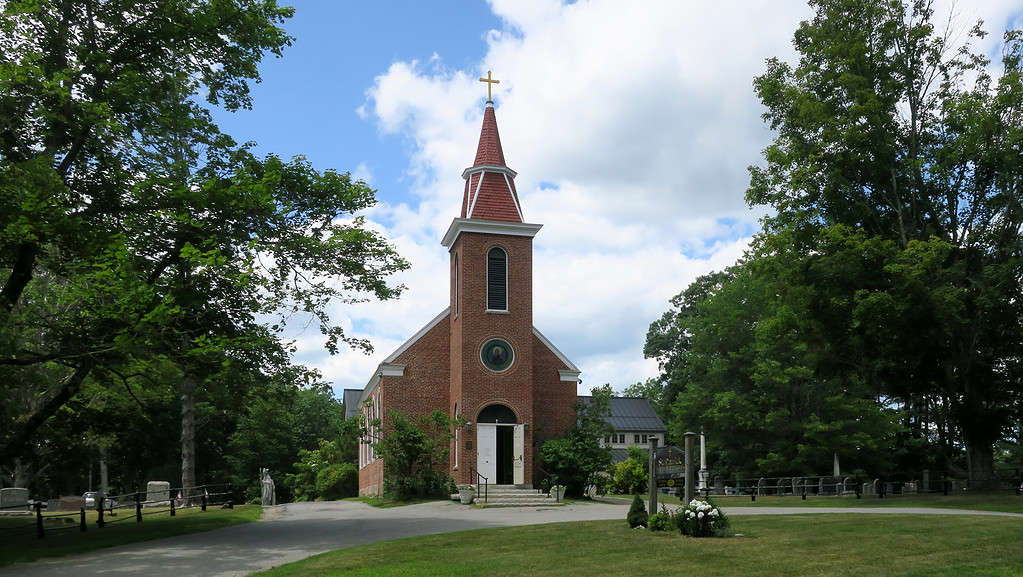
{"points": [[490, 83]]}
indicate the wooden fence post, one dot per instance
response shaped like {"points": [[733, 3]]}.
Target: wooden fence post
{"points": [[39, 519], [82, 518], [138, 507]]}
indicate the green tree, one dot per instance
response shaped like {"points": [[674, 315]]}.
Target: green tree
{"points": [[579, 455], [631, 475], [884, 127], [158, 236], [415, 454], [878, 312]]}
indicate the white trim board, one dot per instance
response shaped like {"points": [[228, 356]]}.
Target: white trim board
{"points": [[489, 168], [561, 356], [388, 368], [460, 225]]}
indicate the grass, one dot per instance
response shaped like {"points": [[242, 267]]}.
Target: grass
{"points": [[1006, 501], [794, 546], [63, 537]]}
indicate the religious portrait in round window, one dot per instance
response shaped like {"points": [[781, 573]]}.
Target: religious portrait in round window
{"points": [[497, 355]]}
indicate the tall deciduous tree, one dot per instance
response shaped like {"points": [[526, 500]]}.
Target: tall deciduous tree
{"points": [[166, 238], [890, 267]]}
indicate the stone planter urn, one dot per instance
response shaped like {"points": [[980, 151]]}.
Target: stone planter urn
{"points": [[558, 492], [466, 494]]}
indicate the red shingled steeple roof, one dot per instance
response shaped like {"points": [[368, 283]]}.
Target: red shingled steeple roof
{"points": [[495, 198], [489, 150]]}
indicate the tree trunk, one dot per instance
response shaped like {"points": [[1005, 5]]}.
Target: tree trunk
{"points": [[104, 486], [18, 443], [981, 457], [187, 435]]}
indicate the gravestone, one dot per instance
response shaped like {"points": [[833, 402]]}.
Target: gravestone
{"points": [[53, 505], [14, 500], [719, 485], [158, 494]]}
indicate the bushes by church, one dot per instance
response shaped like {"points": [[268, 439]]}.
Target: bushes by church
{"points": [[415, 454], [323, 474], [631, 475], [577, 458]]}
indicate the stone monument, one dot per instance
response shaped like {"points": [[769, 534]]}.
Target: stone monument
{"points": [[14, 500], [158, 494], [268, 494]]}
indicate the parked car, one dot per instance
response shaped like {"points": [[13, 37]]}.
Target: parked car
{"points": [[89, 499]]}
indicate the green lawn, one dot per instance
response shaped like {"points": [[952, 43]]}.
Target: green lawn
{"points": [[23, 545], [793, 546], [1005, 501]]}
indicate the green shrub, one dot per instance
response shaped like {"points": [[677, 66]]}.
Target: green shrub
{"points": [[702, 519], [637, 513], [657, 522], [630, 477], [337, 482]]}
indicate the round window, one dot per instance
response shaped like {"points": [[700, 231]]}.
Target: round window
{"points": [[497, 355]]}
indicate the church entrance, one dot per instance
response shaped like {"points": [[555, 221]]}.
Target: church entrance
{"points": [[500, 446]]}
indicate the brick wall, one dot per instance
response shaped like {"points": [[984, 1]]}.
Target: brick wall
{"points": [[422, 389], [476, 387]]}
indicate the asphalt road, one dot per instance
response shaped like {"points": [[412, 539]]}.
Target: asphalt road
{"points": [[298, 530]]}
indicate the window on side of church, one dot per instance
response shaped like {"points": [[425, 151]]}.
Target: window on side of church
{"points": [[456, 285], [497, 279]]}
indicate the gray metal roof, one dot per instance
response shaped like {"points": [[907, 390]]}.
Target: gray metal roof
{"points": [[630, 414], [351, 401]]}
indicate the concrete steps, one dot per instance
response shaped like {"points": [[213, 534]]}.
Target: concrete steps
{"points": [[514, 496]]}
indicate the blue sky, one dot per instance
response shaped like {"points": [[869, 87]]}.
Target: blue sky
{"points": [[307, 102], [631, 126]]}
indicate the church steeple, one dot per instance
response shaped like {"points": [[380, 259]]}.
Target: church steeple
{"points": [[490, 202], [489, 192]]}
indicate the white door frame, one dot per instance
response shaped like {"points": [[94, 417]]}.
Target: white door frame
{"points": [[486, 451], [518, 454]]}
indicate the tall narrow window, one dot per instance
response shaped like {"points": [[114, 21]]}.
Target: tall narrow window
{"points": [[456, 285], [457, 451], [497, 279]]}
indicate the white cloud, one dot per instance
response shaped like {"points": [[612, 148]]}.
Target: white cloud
{"points": [[363, 173], [631, 126]]}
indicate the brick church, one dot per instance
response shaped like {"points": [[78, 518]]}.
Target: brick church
{"points": [[480, 358]]}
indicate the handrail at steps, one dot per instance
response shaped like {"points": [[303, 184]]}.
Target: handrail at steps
{"points": [[485, 483]]}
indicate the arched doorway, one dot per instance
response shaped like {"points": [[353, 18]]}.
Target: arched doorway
{"points": [[500, 445]]}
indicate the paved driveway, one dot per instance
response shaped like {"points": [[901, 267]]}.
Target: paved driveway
{"points": [[298, 530]]}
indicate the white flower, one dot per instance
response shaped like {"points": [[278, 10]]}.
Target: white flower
{"points": [[700, 515]]}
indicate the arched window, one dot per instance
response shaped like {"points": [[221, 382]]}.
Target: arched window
{"points": [[497, 279]]}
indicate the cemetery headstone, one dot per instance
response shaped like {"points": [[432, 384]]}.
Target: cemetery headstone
{"points": [[14, 500], [158, 494], [719, 485], [53, 505]]}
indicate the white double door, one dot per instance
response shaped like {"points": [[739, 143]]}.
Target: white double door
{"points": [[486, 451]]}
